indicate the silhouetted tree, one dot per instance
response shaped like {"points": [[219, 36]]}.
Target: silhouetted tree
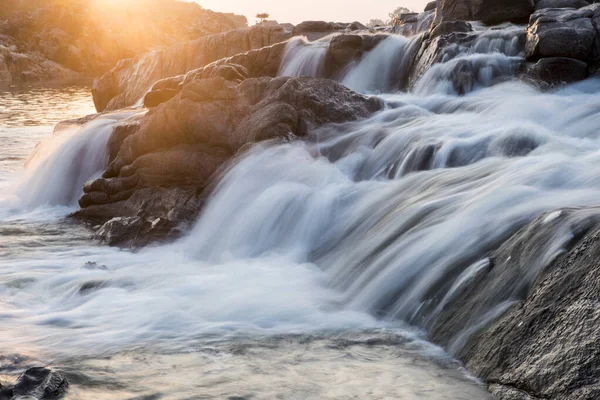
{"points": [[398, 11], [262, 17]]}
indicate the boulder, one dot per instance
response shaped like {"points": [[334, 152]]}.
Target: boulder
{"points": [[562, 33], [490, 12], [38, 384], [557, 70], [162, 164]]}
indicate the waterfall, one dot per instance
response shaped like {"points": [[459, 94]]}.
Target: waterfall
{"points": [[59, 167], [402, 209], [384, 68], [304, 58]]}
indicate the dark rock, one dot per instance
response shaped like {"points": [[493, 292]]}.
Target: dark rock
{"points": [[448, 27], [562, 33], [431, 6], [490, 12], [541, 4], [529, 324], [156, 97], [132, 232], [37, 383], [557, 70]]}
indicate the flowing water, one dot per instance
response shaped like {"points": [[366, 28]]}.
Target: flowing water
{"points": [[318, 266], [174, 322]]}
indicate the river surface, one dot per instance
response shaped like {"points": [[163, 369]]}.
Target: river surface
{"points": [[166, 323]]}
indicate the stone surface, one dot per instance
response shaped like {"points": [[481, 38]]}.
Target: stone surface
{"points": [[346, 48], [557, 70], [529, 323], [37, 384], [562, 33], [490, 12]]}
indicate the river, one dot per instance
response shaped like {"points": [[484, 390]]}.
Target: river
{"points": [[167, 323]]}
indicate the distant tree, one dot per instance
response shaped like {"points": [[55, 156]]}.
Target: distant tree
{"points": [[262, 17], [375, 22]]}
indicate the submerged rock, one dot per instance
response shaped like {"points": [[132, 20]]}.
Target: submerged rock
{"points": [[36, 383], [558, 70]]}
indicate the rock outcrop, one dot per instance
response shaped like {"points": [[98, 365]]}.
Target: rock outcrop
{"points": [[38, 384], [161, 164]]}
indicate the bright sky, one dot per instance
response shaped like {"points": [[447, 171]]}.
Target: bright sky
{"points": [[303, 10]]}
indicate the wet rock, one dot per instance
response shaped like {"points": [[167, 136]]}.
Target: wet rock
{"points": [[562, 33], [448, 27], [132, 232], [158, 175], [529, 323], [557, 70], [490, 12], [37, 383]]}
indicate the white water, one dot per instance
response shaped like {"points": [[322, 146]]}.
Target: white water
{"points": [[336, 242], [304, 58], [384, 67]]}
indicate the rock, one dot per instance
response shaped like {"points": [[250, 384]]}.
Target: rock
{"points": [[562, 33], [314, 30], [541, 4], [529, 323], [129, 81], [136, 232], [557, 70], [448, 27], [431, 6], [156, 97], [37, 383], [158, 175], [490, 12]]}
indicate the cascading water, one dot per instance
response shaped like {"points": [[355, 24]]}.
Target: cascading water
{"points": [[356, 238], [384, 68], [304, 58], [61, 165]]}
